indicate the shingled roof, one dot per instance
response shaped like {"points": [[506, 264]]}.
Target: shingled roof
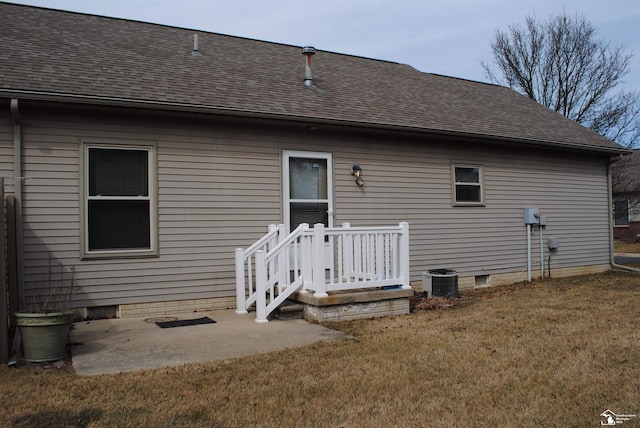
{"points": [[85, 58]]}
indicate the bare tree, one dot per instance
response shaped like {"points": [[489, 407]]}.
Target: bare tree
{"points": [[561, 64]]}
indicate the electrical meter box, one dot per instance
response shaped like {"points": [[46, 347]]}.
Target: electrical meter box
{"points": [[542, 221], [531, 215]]}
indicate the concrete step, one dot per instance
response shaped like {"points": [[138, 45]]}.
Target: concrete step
{"points": [[289, 310]]}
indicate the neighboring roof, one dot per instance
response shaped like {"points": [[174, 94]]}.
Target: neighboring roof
{"points": [[72, 56]]}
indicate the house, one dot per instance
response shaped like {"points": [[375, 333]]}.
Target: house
{"points": [[625, 173], [143, 155]]}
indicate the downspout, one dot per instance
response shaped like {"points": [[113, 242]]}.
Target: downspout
{"points": [[17, 173], [610, 200]]}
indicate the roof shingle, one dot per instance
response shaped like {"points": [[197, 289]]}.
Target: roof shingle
{"points": [[69, 54]]}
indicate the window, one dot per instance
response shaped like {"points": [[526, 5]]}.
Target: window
{"points": [[467, 188], [119, 201], [621, 212]]}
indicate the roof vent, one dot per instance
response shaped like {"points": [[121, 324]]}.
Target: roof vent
{"points": [[196, 46], [308, 51]]}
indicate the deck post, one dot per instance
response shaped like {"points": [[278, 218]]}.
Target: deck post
{"points": [[282, 260], [319, 284], [261, 288], [404, 255], [270, 229], [305, 258], [347, 254], [241, 307]]}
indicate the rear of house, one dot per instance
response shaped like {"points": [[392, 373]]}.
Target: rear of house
{"points": [[141, 163]]}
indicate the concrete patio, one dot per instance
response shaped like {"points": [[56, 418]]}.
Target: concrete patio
{"points": [[130, 344]]}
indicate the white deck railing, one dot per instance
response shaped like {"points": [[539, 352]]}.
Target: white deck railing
{"points": [[321, 260]]}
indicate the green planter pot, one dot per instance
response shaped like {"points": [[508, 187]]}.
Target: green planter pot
{"points": [[44, 336]]}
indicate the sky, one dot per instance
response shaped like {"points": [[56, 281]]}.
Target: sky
{"points": [[449, 37]]}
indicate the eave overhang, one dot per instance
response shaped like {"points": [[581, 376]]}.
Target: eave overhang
{"points": [[83, 99]]}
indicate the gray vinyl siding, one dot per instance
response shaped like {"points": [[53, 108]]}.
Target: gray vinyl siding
{"points": [[412, 182], [209, 203], [416, 187], [219, 186]]}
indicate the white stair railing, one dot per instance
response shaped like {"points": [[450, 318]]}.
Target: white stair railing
{"points": [[272, 269], [245, 267], [273, 272], [291, 257]]}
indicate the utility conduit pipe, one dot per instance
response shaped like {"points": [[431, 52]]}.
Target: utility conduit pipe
{"points": [[529, 252], [17, 168], [541, 255]]}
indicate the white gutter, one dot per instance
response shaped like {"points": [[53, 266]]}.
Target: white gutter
{"points": [[17, 176], [610, 201]]}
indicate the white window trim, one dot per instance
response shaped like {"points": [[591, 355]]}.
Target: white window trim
{"points": [[454, 183], [85, 198]]}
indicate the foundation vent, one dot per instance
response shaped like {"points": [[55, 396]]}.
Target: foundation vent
{"points": [[101, 312], [482, 280]]}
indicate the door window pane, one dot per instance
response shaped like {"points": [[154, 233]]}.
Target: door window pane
{"points": [[307, 178], [311, 213]]}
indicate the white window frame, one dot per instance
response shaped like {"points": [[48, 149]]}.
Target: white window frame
{"points": [[152, 198], [455, 183]]}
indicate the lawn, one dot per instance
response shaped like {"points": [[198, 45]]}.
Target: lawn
{"points": [[626, 247], [552, 353]]}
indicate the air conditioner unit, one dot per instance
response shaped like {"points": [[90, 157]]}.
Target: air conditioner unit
{"points": [[440, 283]]}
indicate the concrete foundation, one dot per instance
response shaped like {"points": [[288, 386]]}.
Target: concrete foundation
{"points": [[353, 305], [347, 306]]}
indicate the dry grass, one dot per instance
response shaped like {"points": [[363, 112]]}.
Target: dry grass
{"points": [[626, 247], [553, 353]]}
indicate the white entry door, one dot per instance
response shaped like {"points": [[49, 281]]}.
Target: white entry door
{"points": [[308, 189]]}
